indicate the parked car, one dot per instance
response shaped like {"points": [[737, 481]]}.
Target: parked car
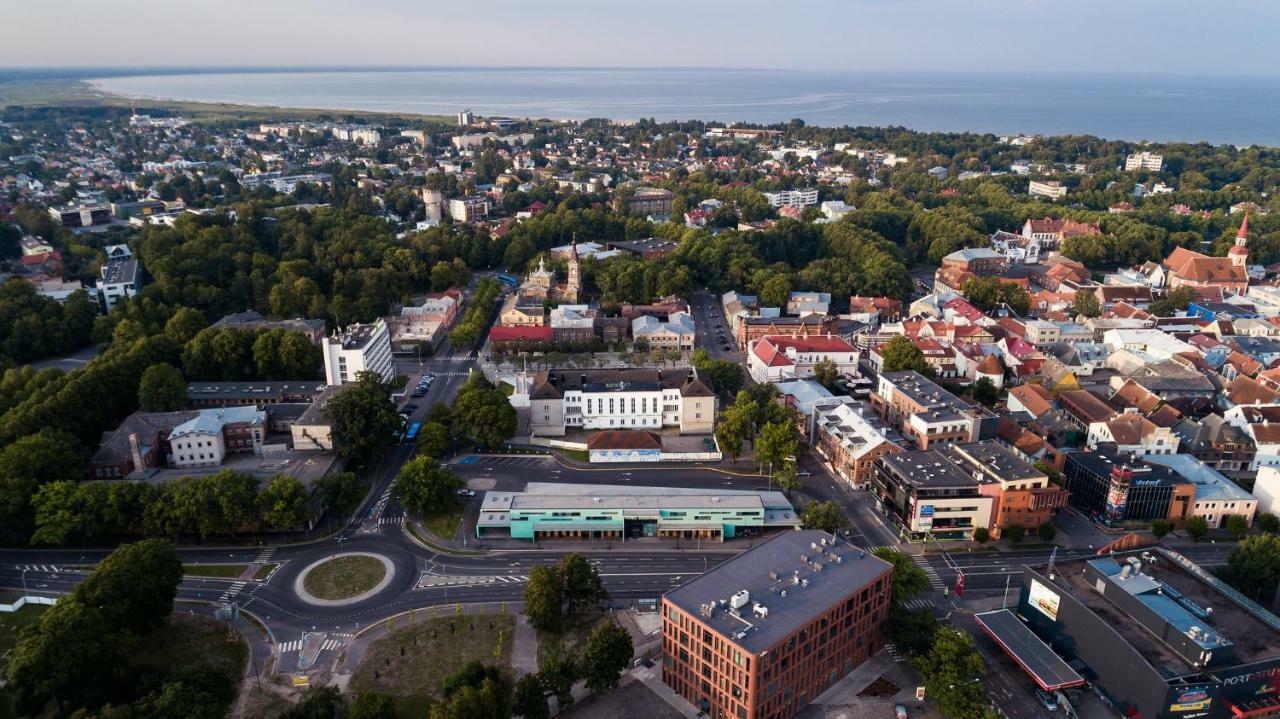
{"points": [[417, 393], [466, 493], [1047, 700], [411, 407]]}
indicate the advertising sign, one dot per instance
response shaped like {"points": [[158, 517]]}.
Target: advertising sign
{"points": [[926, 510], [1191, 702], [1044, 599]]}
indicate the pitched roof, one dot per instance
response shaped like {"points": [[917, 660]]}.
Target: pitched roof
{"points": [[1034, 397], [1247, 390], [623, 439]]}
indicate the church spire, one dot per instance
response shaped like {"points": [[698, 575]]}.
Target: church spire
{"points": [[1239, 253], [1242, 235]]}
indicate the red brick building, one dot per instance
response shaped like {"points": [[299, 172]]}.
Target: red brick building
{"points": [[763, 634]]}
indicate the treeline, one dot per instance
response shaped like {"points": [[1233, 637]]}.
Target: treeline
{"points": [[475, 320], [235, 354], [227, 503]]}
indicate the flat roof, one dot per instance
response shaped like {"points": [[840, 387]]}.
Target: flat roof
{"points": [[1048, 669], [792, 575], [929, 468]]}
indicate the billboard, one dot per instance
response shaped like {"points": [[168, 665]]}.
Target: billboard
{"points": [[1044, 599], [1191, 702], [926, 510]]}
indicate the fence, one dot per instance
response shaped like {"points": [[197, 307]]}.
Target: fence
{"points": [[24, 600], [557, 443]]}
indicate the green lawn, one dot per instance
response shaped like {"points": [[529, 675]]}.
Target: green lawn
{"points": [[225, 571], [411, 662], [571, 640], [265, 570], [444, 524], [576, 454], [344, 577]]}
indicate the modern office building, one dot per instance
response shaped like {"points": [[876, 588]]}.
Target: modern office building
{"points": [[764, 633], [1160, 636], [1114, 490], [927, 493], [610, 512], [358, 348], [634, 398]]}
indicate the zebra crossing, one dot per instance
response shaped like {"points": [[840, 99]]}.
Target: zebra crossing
{"points": [[918, 604], [392, 520], [935, 582], [230, 592], [265, 555], [517, 578], [334, 641], [37, 568]]}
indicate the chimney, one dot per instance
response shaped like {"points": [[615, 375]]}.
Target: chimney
{"points": [[135, 449]]}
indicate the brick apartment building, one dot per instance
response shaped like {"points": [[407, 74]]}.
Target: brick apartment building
{"points": [[763, 634], [927, 414], [1023, 495], [749, 329]]}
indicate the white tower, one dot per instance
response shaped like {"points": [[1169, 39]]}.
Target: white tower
{"points": [[434, 200]]}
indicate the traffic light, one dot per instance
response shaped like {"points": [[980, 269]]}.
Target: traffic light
{"points": [[959, 584]]}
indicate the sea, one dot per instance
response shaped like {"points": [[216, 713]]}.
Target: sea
{"points": [[1219, 110]]}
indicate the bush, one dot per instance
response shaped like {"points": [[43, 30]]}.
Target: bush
{"points": [[1047, 531], [981, 535], [1161, 527], [1197, 527]]}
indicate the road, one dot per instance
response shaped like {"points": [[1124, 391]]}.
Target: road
{"points": [[714, 333]]}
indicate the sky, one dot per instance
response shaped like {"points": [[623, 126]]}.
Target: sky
{"points": [[1173, 37]]}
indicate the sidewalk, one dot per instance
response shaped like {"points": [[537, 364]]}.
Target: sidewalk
{"points": [[524, 648]]}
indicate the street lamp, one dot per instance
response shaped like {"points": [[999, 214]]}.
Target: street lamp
{"points": [[24, 579]]}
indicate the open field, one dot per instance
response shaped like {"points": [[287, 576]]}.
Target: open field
{"points": [[411, 662]]}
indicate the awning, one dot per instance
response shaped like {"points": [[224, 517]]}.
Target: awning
{"points": [[1029, 651]]}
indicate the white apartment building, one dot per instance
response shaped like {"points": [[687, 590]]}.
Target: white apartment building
{"points": [[792, 198], [777, 358], [1051, 189], [632, 398], [677, 332], [358, 348], [120, 280], [1144, 161], [469, 209]]}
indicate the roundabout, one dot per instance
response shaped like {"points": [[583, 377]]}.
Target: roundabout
{"points": [[344, 579]]}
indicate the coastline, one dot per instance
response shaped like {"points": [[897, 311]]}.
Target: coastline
{"points": [[76, 92]]}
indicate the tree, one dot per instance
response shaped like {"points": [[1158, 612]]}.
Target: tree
{"points": [[1014, 533], [425, 488], [725, 376], [826, 372], [985, 391], [981, 535], [1175, 301], [900, 354], [607, 654], [777, 443], [775, 292], [1086, 304], [909, 580], [787, 477], [952, 671], [1267, 522], [371, 705], [491, 699], [363, 418], [531, 698], [73, 658], [284, 502], [317, 703], [543, 597], [1197, 527], [559, 672], [482, 413], [580, 582], [162, 389], [340, 493], [185, 324], [912, 632], [825, 516], [1161, 527], [433, 440], [134, 586], [1046, 531], [1253, 567], [1237, 525]]}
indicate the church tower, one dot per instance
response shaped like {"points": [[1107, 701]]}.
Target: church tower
{"points": [[1238, 253], [573, 283]]}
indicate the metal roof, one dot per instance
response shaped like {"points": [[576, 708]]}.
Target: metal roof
{"points": [[1048, 669]]}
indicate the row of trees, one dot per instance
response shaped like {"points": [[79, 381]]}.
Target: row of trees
{"points": [[475, 320], [227, 503], [606, 655], [33, 327], [236, 354], [556, 591]]}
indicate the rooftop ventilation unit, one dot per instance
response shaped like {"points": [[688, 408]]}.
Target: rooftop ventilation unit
{"points": [[740, 599], [760, 610]]}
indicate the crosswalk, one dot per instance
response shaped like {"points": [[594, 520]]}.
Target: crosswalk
{"points": [[517, 578], [231, 591], [37, 568], [292, 645], [455, 358], [935, 582], [265, 555], [918, 604], [392, 520], [334, 641]]}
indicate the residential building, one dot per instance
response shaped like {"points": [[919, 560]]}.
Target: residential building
{"points": [[469, 209], [358, 348], [1051, 189], [252, 320], [678, 332], [610, 512], [748, 329], [850, 441], [1022, 495], [645, 201], [206, 439], [1114, 491], [781, 358], [1150, 161], [808, 303], [926, 414], [925, 493], [761, 635], [981, 261], [426, 323], [572, 324], [1131, 434], [121, 279], [792, 198], [633, 398]]}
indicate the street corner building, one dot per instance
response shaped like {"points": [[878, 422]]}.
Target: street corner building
{"points": [[1159, 635], [763, 634]]}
